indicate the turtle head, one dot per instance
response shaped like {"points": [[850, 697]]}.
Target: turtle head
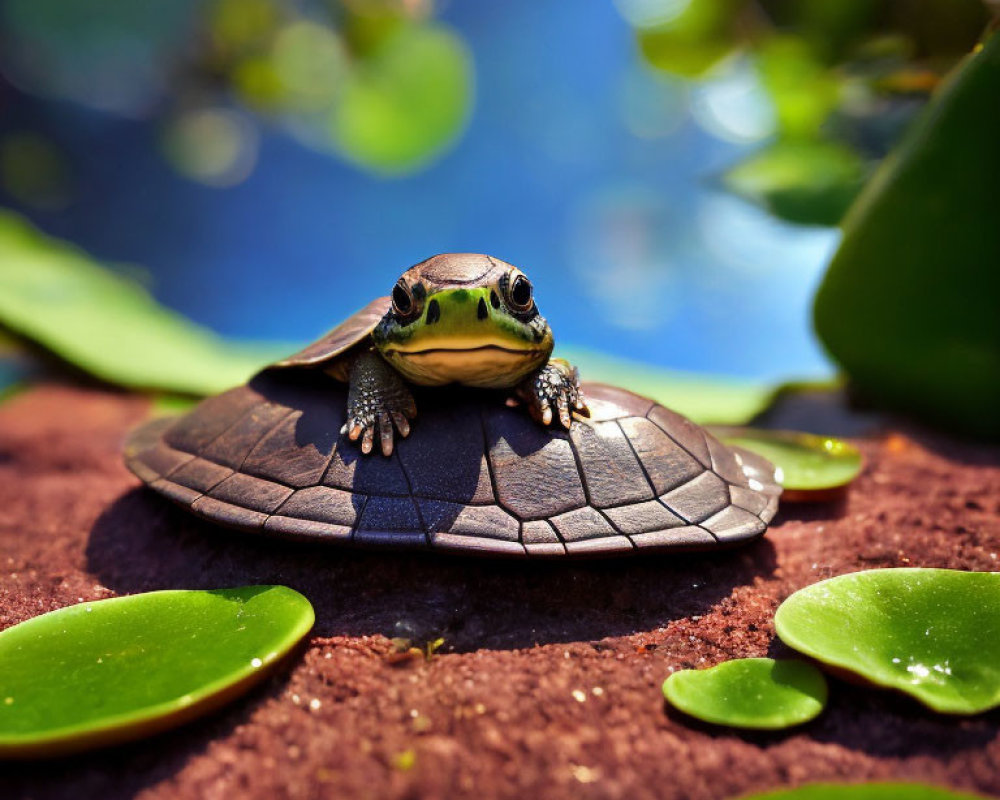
{"points": [[464, 318]]}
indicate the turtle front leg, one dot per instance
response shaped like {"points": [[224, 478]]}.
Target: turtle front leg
{"points": [[377, 397], [556, 385]]}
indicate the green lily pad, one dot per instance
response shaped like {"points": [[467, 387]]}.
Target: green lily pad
{"points": [[931, 633], [756, 693], [811, 467], [108, 671], [865, 791], [108, 325]]}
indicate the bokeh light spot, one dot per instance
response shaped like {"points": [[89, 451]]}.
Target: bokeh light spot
{"points": [[215, 146], [654, 105], [733, 105], [650, 13], [309, 61]]}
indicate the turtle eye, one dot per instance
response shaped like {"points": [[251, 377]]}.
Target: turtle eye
{"points": [[402, 299], [519, 293]]}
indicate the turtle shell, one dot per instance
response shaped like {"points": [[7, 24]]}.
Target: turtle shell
{"points": [[352, 331], [473, 475]]}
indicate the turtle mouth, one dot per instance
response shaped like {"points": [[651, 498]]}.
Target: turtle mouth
{"points": [[481, 349], [488, 366]]}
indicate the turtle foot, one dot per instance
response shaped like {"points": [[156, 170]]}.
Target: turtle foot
{"points": [[553, 393], [378, 402]]}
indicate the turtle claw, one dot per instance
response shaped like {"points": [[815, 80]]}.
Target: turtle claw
{"points": [[557, 384], [366, 441], [382, 423], [563, 404], [378, 403], [402, 423], [355, 429]]}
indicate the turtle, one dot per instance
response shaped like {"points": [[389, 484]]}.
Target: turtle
{"points": [[590, 469], [456, 318]]}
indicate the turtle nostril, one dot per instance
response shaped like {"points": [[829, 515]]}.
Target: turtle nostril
{"points": [[481, 311], [433, 312]]}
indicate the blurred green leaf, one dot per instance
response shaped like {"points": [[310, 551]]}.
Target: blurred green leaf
{"points": [[242, 25], [808, 182], [107, 325], [803, 90], [171, 405], [706, 399], [695, 40], [406, 101], [909, 304], [847, 71], [937, 28], [831, 27]]}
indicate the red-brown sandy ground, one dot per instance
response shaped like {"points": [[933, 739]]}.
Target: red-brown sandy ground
{"points": [[548, 684]]}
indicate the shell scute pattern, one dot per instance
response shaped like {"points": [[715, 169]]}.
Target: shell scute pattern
{"points": [[253, 493], [457, 469], [667, 464], [534, 470], [611, 470], [214, 417], [200, 474], [698, 499], [296, 457], [473, 476]]}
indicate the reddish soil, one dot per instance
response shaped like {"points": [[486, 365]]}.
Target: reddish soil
{"points": [[548, 682]]}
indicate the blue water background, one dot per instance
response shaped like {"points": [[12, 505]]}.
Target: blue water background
{"points": [[631, 249]]}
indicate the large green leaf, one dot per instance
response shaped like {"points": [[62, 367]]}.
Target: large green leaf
{"points": [[111, 670], [909, 305], [803, 90], [108, 325]]}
